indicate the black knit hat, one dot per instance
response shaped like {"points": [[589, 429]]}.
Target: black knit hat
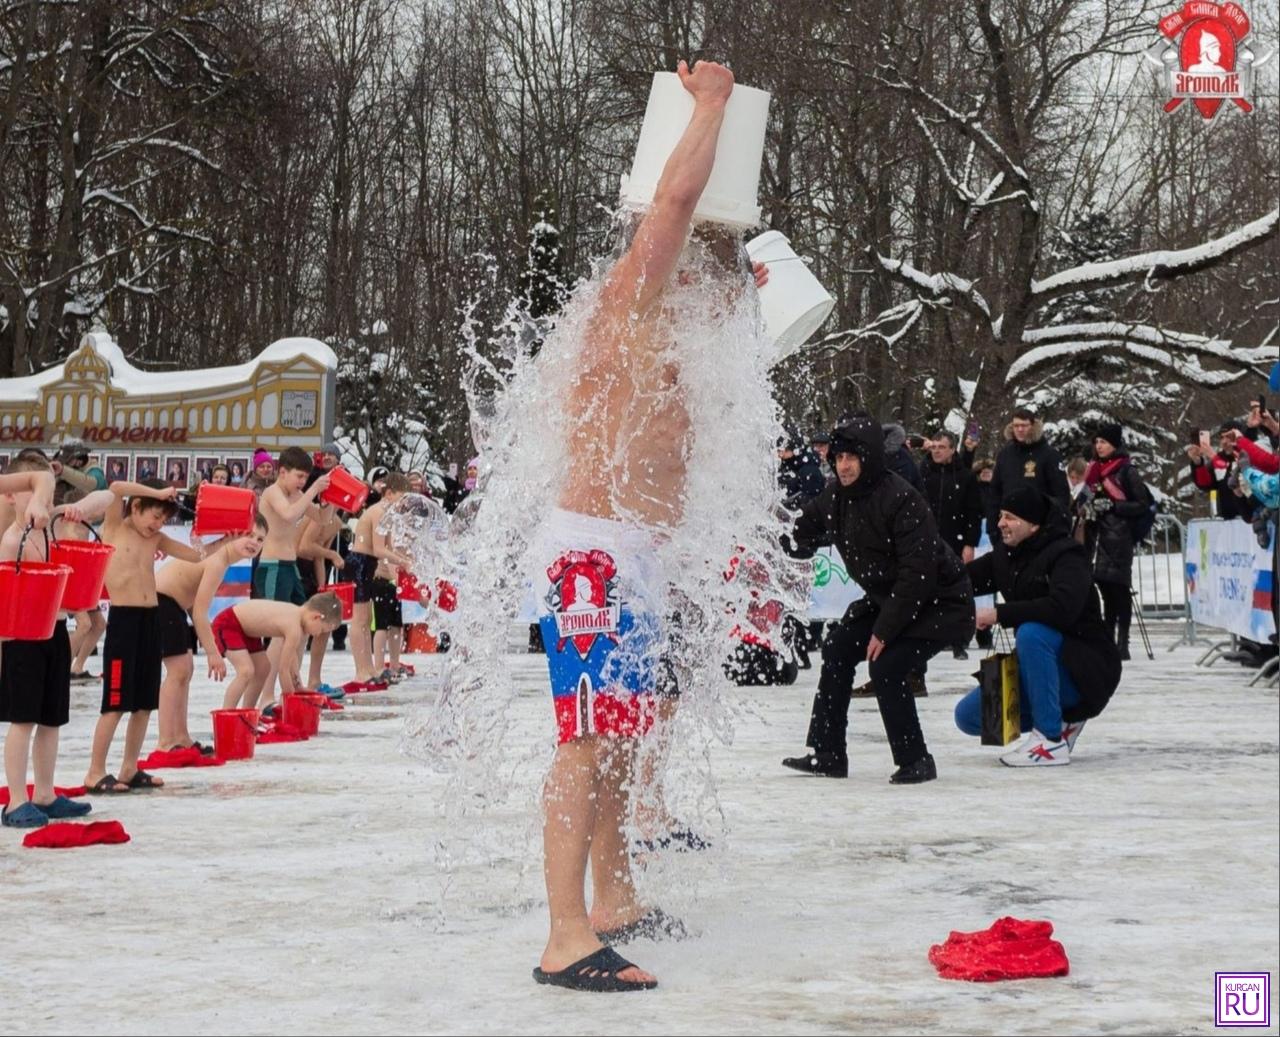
{"points": [[1113, 434], [1027, 503]]}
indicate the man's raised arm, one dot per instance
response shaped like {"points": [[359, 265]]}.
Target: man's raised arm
{"points": [[639, 277]]}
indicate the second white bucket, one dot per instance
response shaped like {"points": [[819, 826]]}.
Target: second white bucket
{"points": [[731, 194], [793, 302]]}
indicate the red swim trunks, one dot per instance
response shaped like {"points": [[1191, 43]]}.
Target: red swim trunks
{"points": [[229, 635]]}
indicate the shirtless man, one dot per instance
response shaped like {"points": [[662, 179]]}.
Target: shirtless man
{"points": [[368, 548], [239, 633], [131, 652], [187, 589], [284, 504], [626, 485]]}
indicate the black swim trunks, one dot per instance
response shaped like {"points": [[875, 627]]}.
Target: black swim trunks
{"points": [[35, 680], [131, 659], [387, 612], [360, 569], [177, 636]]}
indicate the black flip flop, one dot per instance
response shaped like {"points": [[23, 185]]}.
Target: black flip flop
{"points": [[597, 972], [656, 925], [107, 787], [143, 780]]}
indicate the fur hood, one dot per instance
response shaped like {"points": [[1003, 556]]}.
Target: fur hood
{"points": [[1037, 432], [895, 437]]}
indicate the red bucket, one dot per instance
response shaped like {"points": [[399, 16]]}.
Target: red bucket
{"points": [[88, 563], [235, 733], [223, 509], [346, 593], [30, 596], [301, 709], [409, 588], [345, 491]]}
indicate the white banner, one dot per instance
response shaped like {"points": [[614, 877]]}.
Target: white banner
{"points": [[1229, 578], [833, 588]]}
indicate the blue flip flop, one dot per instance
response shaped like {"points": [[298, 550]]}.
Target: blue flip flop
{"points": [[26, 816], [62, 808]]}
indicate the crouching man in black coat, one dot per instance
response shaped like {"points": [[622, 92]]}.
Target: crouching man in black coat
{"points": [[918, 602], [1068, 665]]}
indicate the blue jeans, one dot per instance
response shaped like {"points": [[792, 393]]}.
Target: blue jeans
{"points": [[1045, 686]]}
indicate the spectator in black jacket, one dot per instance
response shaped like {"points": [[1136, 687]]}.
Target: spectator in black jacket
{"points": [[1068, 668], [799, 473], [1114, 499], [1027, 460], [899, 457], [918, 601], [954, 497], [952, 492]]}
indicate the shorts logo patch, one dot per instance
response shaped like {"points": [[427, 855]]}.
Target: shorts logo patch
{"points": [[584, 599], [117, 678]]}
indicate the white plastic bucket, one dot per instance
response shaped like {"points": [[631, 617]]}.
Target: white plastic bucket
{"points": [[730, 196], [793, 302]]}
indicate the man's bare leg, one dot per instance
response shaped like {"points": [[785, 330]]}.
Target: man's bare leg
{"points": [[614, 901], [653, 818], [569, 802]]}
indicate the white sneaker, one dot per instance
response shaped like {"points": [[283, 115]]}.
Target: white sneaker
{"points": [[1037, 751], [1070, 732]]}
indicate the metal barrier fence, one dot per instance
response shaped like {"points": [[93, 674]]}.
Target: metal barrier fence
{"points": [[1159, 576]]}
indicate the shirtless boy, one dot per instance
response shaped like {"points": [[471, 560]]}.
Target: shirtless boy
{"points": [[131, 651], [369, 547], [284, 504], [35, 686], [187, 589], [239, 633]]}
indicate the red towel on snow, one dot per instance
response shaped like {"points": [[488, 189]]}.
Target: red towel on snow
{"points": [[73, 792], [328, 703], [61, 835], [187, 756], [282, 733], [1011, 949]]}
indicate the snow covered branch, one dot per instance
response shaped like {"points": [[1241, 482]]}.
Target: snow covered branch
{"points": [[950, 287], [1159, 264], [1174, 350]]}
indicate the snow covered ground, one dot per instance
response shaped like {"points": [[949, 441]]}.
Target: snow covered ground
{"points": [[301, 892]]}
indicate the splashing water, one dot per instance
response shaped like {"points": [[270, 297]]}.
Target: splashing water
{"points": [[728, 513]]}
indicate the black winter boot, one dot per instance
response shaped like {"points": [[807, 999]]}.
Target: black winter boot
{"points": [[924, 769], [823, 765]]}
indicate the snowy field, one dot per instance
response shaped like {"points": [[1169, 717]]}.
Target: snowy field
{"points": [[300, 892]]}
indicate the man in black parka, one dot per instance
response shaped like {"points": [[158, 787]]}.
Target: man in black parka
{"points": [[918, 601], [1068, 665], [1026, 460]]}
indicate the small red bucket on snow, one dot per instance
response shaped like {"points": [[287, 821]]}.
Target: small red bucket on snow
{"points": [[301, 709], [345, 491], [223, 509], [30, 596], [235, 733], [88, 563], [346, 593]]}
